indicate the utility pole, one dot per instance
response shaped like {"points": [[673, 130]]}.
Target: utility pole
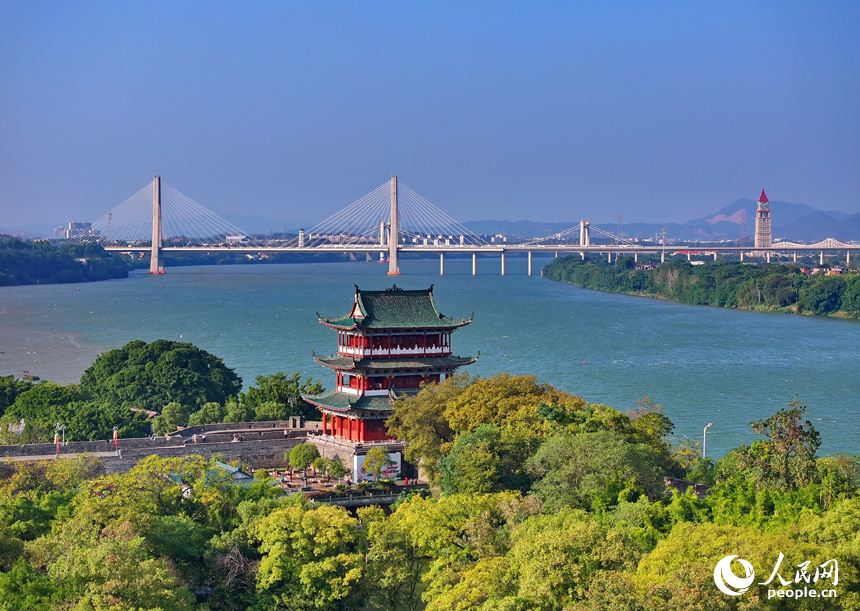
{"points": [[663, 241], [705, 440]]}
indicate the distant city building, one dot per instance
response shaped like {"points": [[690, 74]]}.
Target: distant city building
{"points": [[763, 237], [74, 230]]}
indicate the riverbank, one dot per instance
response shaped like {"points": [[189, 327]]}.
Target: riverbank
{"points": [[763, 288], [23, 263]]}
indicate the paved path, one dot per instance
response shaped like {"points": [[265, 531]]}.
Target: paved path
{"points": [[54, 456]]}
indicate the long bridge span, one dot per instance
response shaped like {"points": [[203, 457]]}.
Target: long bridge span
{"points": [[390, 220]]}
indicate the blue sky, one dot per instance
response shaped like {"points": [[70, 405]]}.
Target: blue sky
{"points": [[660, 111]]}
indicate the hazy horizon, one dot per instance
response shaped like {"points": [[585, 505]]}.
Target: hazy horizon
{"points": [[504, 111]]}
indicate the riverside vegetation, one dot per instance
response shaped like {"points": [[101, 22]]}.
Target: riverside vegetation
{"points": [[731, 284], [540, 501], [181, 383], [24, 262], [41, 262]]}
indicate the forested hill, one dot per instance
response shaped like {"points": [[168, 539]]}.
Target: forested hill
{"points": [[41, 263], [774, 287]]}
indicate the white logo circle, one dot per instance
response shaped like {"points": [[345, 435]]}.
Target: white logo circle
{"points": [[723, 575]]}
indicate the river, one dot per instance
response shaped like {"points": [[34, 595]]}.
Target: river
{"points": [[703, 364]]}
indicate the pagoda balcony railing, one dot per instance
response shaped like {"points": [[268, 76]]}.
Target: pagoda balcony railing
{"points": [[355, 391], [415, 351], [394, 444]]}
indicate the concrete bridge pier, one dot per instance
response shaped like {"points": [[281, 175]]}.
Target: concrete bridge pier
{"points": [[767, 254], [441, 263], [821, 259], [394, 235], [530, 263], [715, 255], [795, 256], [503, 263], [636, 257], [474, 264], [689, 256], [155, 266], [847, 258]]}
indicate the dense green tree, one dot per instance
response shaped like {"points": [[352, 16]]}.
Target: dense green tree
{"points": [[311, 559], [394, 566], [150, 376], [337, 468], [555, 558], [722, 283], [421, 422], [94, 567], [44, 398], [24, 262], [10, 388], [172, 416], [237, 412], [786, 458], [47, 404], [302, 456], [593, 470], [851, 296], [504, 400], [824, 295], [210, 413], [488, 459], [277, 397]]}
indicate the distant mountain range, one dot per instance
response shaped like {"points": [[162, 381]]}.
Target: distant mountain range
{"points": [[796, 222]]}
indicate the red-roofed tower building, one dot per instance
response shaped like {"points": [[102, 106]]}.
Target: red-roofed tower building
{"points": [[763, 236], [388, 345]]}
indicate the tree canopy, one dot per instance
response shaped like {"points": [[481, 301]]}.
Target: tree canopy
{"points": [[767, 286], [277, 397], [149, 376]]}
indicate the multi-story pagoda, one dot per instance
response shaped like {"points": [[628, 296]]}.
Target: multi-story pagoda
{"points": [[390, 343]]}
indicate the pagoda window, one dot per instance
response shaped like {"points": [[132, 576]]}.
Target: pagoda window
{"points": [[408, 381]]}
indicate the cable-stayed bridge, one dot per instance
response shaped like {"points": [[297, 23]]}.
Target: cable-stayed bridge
{"points": [[390, 220]]}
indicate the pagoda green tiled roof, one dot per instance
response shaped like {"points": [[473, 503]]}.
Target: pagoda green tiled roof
{"points": [[415, 363], [343, 402], [395, 308]]}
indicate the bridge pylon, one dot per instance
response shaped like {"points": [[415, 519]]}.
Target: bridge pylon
{"points": [[155, 266], [394, 236]]}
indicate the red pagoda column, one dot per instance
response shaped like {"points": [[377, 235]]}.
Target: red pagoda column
{"points": [[361, 431], [324, 424]]}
